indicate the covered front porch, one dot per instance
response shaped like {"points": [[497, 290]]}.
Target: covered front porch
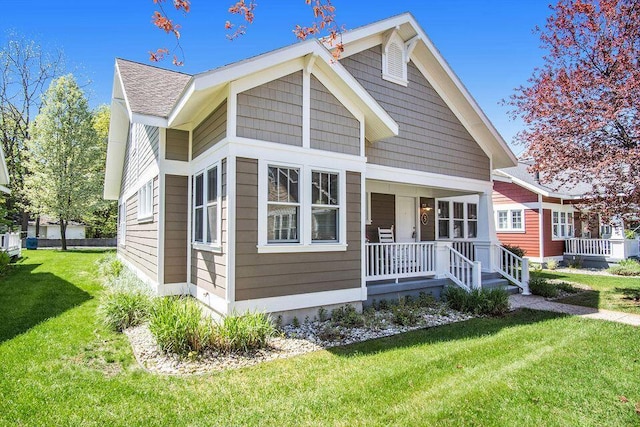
{"points": [[440, 236]]}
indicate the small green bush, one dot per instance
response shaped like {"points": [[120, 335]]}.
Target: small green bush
{"points": [[110, 267], [627, 267], [516, 250], [330, 333], [5, 260], [493, 302], [575, 261], [426, 300], [540, 286], [242, 332], [322, 314], [346, 316], [178, 325], [404, 314], [122, 308], [552, 264]]}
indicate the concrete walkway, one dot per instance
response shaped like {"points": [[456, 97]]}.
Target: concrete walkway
{"points": [[536, 302]]}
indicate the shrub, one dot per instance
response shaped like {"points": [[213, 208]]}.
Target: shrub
{"points": [[178, 325], [426, 300], [242, 332], [110, 266], [627, 267], [346, 316], [563, 286], [5, 259], [540, 286], [516, 250], [479, 301], [123, 308], [322, 314], [575, 261], [330, 333], [552, 264], [404, 313]]}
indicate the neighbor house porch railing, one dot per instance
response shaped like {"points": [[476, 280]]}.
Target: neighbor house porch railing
{"points": [[615, 249], [399, 260], [10, 243]]}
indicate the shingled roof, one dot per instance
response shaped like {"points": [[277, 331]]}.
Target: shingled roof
{"points": [[151, 90]]}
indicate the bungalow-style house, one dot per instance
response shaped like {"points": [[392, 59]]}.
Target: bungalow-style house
{"points": [[267, 184], [545, 222]]}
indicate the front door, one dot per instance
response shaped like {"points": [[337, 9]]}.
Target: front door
{"points": [[405, 219]]}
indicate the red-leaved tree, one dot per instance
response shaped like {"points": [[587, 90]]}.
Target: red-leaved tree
{"points": [[581, 108], [324, 21]]}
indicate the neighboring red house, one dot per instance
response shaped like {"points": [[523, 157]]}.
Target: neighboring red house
{"points": [[544, 221]]}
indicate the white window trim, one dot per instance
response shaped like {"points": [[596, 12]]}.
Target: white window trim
{"points": [[305, 243], [566, 224], [145, 202], [510, 228], [214, 246], [452, 220], [122, 224]]}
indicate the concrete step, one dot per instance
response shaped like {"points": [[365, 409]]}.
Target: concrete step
{"points": [[500, 283]]}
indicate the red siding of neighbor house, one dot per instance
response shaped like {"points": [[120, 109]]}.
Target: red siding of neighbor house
{"points": [[551, 247], [529, 240], [506, 192]]}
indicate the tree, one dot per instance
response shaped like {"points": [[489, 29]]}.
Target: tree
{"points": [[324, 20], [65, 155], [25, 70], [581, 108]]}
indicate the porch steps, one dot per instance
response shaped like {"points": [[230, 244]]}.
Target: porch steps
{"points": [[495, 280]]}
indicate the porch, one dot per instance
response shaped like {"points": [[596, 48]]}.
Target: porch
{"points": [[11, 244], [607, 250]]}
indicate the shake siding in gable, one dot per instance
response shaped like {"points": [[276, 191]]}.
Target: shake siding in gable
{"points": [[431, 138], [212, 130], [208, 269], [274, 275], [175, 225], [273, 111], [177, 145], [141, 239], [333, 127]]}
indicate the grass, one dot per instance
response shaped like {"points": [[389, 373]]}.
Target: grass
{"points": [[610, 293], [60, 366]]}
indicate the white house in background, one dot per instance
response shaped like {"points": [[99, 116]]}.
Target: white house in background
{"points": [[50, 229]]}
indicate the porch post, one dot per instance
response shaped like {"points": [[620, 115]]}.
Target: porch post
{"points": [[442, 258], [486, 232]]}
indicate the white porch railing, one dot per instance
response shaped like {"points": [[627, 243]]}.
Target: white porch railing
{"points": [[399, 260], [466, 248], [614, 249], [462, 271], [513, 268], [10, 243]]}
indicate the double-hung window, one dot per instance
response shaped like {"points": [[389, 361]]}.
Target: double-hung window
{"points": [[472, 220], [206, 206], [562, 224], [145, 202], [443, 219], [283, 205], [324, 206], [510, 220]]}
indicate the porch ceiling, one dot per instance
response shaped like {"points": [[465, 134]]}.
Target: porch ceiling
{"points": [[387, 187]]}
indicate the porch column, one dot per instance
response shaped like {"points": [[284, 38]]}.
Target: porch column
{"points": [[486, 232]]}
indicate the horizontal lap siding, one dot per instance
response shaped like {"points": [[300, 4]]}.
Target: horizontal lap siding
{"points": [[212, 130], [273, 111], [431, 138], [175, 223], [141, 239], [177, 145], [530, 239], [274, 275], [551, 247], [507, 192], [333, 127], [148, 145], [209, 269]]}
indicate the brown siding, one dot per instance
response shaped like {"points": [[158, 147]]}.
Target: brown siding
{"points": [[551, 247], [507, 192], [141, 239], [209, 269], [431, 138], [212, 130], [177, 147], [175, 225], [383, 214], [530, 239], [428, 230], [273, 275], [273, 111], [333, 127]]}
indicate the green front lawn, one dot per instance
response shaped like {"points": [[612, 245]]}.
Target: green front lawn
{"points": [[59, 367], [610, 293]]}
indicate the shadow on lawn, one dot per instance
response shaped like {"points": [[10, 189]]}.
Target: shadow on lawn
{"points": [[474, 328], [28, 298], [629, 293]]}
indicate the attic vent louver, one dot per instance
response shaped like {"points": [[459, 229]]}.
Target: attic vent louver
{"points": [[394, 59]]}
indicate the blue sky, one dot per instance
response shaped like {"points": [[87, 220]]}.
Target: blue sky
{"points": [[489, 44]]}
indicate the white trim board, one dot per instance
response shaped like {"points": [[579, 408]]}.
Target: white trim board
{"points": [[299, 301]]}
